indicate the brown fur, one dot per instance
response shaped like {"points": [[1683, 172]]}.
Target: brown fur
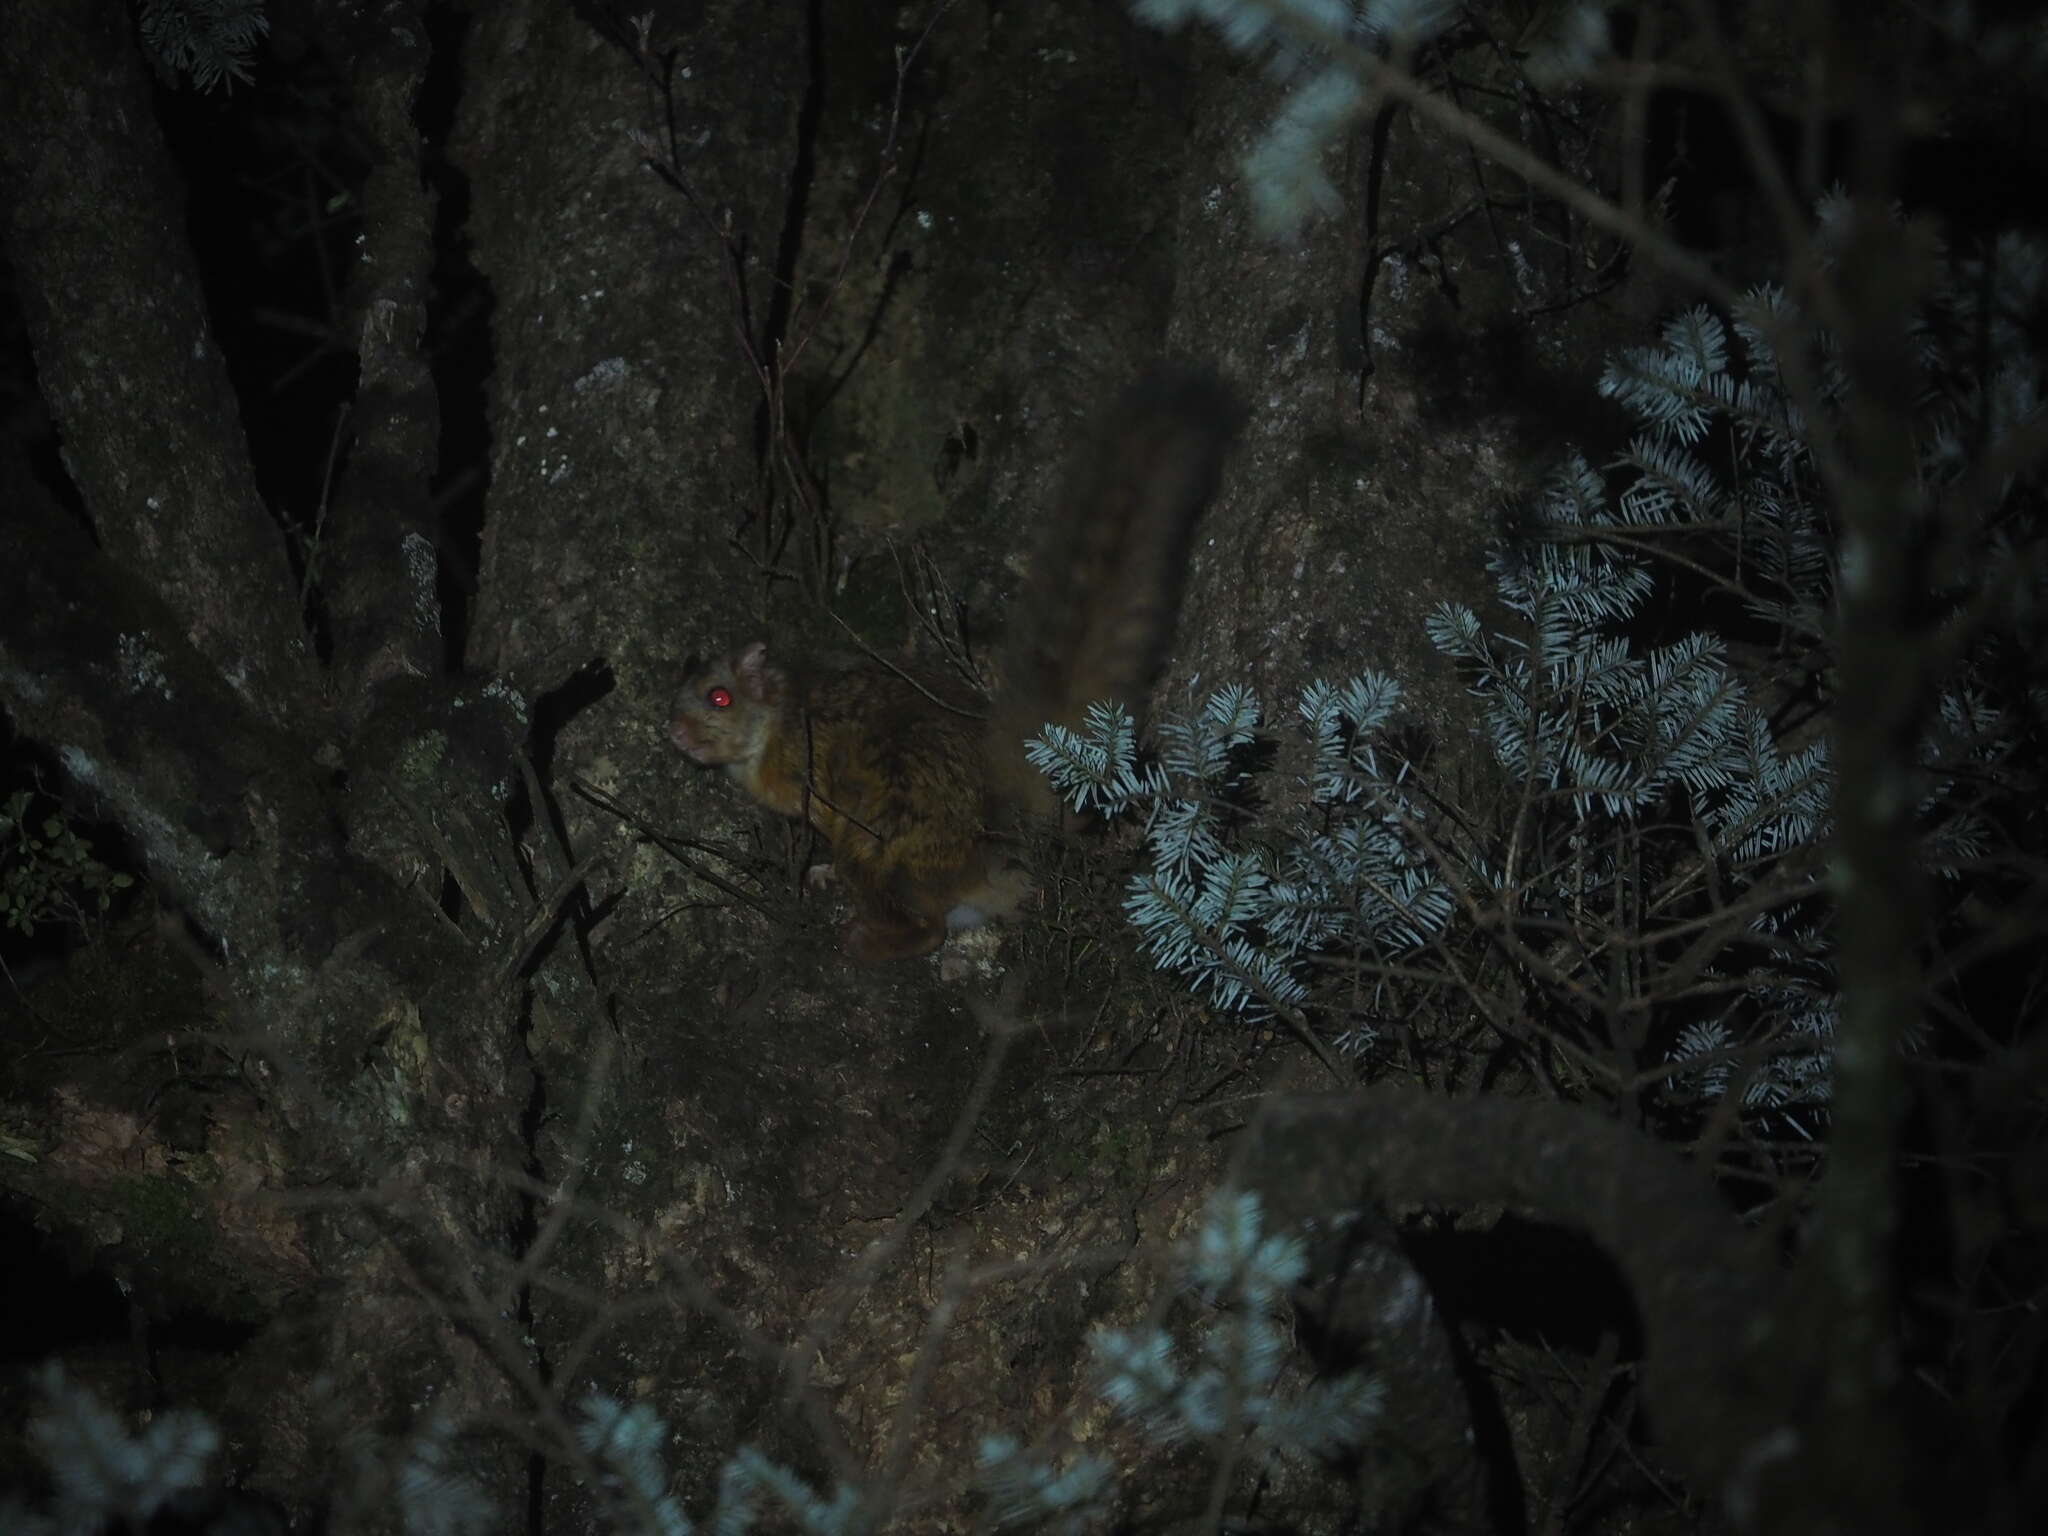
{"points": [[1098, 609], [905, 791]]}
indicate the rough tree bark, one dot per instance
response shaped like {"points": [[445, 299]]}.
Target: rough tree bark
{"points": [[524, 1069]]}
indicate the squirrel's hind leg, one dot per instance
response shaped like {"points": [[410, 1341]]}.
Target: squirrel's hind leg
{"points": [[874, 939]]}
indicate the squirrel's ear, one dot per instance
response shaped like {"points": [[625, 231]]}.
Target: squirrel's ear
{"points": [[754, 671]]}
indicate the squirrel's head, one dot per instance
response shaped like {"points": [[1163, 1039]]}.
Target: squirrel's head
{"points": [[727, 707]]}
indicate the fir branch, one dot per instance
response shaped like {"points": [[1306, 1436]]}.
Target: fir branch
{"points": [[212, 41]]}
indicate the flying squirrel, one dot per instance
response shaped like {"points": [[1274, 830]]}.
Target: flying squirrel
{"points": [[913, 796]]}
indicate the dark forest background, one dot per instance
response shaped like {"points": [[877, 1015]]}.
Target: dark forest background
{"points": [[427, 1103]]}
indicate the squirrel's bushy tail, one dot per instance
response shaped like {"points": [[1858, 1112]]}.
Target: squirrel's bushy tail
{"points": [[1097, 612]]}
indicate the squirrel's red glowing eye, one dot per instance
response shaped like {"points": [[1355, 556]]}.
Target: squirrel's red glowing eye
{"points": [[718, 698]]}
